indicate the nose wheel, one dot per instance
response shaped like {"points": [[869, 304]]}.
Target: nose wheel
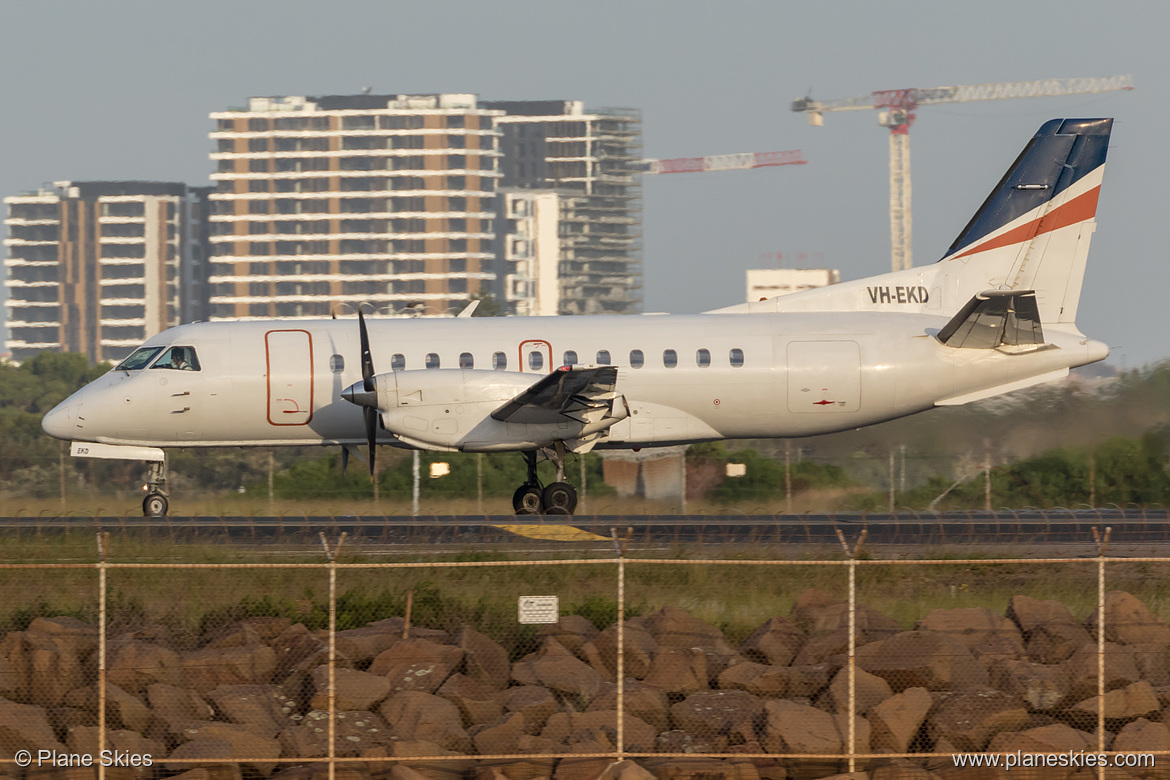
{"points": [[557, 498], [155, 504]]}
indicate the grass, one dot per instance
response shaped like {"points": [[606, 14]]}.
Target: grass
{"points": [[736, 597]]}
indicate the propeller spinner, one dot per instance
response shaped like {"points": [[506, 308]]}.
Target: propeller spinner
{"points": [[365, 393]]}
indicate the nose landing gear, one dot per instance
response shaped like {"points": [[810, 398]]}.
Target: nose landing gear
{"points": [[556, 498], [156, 502]]}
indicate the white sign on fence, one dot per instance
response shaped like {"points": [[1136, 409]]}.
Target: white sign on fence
{"points": [[539, 609]]}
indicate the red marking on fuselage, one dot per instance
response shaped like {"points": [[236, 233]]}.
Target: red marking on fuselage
{"points": [[823, 403]]}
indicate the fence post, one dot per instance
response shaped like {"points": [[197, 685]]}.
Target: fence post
{"points": [[331, 554], [103, 541], [1102, 545], [620, 549], [852, 703]]}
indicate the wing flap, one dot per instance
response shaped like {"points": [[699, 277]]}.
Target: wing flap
{"points": [[567, 394]]}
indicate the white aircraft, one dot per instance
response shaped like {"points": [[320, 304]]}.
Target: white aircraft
{"points": [[997, 313]]}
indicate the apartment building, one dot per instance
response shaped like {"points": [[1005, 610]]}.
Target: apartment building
{"points": [[325, 203], [592, 160], [769, 282], [97, 267]]}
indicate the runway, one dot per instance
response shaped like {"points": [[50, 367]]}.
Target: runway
{"points": [[1147, 528]]}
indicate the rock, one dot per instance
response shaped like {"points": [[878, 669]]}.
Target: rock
{"points": [[902, 770], [1052, 643], [556, 668], [122, 710], [226, 740], [895, 722], [134, 666], [170, 701], [25, 726], [572, 631], [807, 681], [416, 665], [769, 682], [353, 690], [1142, 736], [625, 770], [1030, 613], [1129, 622], [356, 734], [263, 709], [691, 768], [823, 647], [981, 630], [297, 648], [817, 617], [477, 702], [922, 659], [640, 700], [209, 668], [529, 769], [969, 719], [639, 648], [499, 736], [484, 659], [1120, 670], [44, 665], [1041, 687], [80, 637], [84, 740], [869, 691], [535, 703], [571, 728], [675, 627], [678, 741], [362, 645], [1055, 738], [718, 712], [798, 728], [776, 642], [678, 671], [416, 715], [1136, 700]]}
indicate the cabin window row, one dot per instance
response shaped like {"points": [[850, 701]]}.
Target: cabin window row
{"points": [[535, 359]]}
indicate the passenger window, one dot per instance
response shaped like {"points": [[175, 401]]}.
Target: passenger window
{"points": [[178, 359], [466, 360], [603, 357], [138, 359], [398, 363], [670, 358], [536, 360], [432, 360], [636, 358], [703, 358], [736, 357], [500, 361], [570, 358], [336, 363]]}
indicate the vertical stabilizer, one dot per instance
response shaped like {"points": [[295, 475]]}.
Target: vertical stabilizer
{"points": [[1033, 231]]}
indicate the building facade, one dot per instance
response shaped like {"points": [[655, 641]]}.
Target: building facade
{"points": [[592, 160], [97, 267], [325, 203], [769, 282], [529, 248]]}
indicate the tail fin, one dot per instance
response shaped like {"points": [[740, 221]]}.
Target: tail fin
{"points": [[1033, 231]]}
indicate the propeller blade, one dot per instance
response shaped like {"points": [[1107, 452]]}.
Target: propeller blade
{"points": [[344, 458], [367, 359], [371, 415]]}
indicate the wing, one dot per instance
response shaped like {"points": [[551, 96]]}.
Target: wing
{"points": [[569, 394]]}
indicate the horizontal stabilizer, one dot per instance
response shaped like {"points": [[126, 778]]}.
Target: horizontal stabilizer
{"points": [[995, 318]]}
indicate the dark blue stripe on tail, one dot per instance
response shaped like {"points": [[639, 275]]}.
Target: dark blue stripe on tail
{"points": [[1060, 153]]}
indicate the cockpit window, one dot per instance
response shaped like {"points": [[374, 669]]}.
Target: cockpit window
{"points": [[178, 359], [138, 359]]}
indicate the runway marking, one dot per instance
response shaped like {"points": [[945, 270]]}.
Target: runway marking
{"points": [[554, 533]]}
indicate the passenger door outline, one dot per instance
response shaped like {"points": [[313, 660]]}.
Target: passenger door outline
{"points": [[289, 376]]}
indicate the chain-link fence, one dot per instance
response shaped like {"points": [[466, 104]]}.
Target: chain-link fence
{"points": [[339, 662]]}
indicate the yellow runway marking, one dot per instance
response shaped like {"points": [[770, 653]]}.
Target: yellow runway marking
{"points": [[553, 533]]}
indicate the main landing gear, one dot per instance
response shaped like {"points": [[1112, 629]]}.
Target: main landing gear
{"points": [[556, 498], [155, 504]]}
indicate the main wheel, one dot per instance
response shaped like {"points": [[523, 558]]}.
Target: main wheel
{"points": [[154, 505], [526, 500], [559, 496]]}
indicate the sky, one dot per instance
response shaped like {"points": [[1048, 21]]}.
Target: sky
{"points": [[122, 90]]}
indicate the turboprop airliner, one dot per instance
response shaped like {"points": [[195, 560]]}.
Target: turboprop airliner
{"points": [[997, 313]]}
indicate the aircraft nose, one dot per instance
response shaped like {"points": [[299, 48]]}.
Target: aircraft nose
{"points": [[60, 420]]}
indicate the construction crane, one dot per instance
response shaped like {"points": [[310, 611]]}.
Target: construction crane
{"points": [[897, 113], [722, 162]]}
